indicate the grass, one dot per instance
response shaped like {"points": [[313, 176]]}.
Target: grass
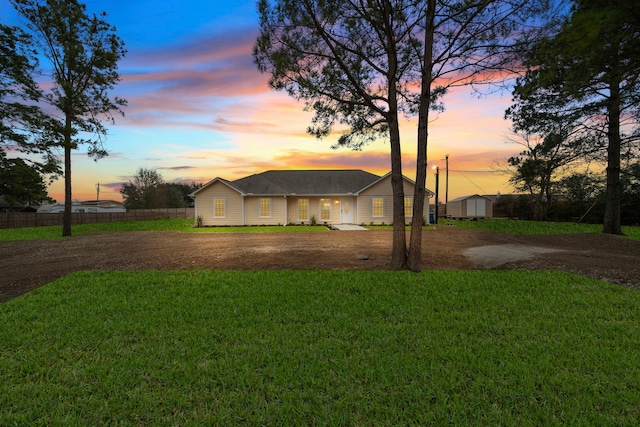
{"points": [[390, 227], [538, 227], [323, 348], [261, 229], [171, 224], [186, 226]]}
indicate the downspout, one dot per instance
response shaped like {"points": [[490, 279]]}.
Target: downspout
{"points": [[355, 210], [286, 210], [195, 210], [244, 215]]}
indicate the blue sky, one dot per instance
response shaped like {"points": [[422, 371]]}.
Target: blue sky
{"points": [[198, 109]]}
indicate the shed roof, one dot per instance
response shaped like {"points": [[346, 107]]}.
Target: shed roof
{"points": [[459, 199]]}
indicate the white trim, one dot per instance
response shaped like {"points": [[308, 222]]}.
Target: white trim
{"points": [[224, 181], [308, 207], [260, 199], [349, 203], [405, 206], [286, 210], [320, 209], [388, 174], [373, 215], [213, 212], [244, 210]]}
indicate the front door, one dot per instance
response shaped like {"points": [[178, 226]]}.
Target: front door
{"points": [[346, 211]]}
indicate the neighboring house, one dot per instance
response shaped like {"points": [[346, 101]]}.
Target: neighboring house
{"points": [[474, 206], [280, 197], [86, 206]]}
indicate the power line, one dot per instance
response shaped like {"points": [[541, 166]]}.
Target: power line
{"points": [[476, 185], [475, 171]]}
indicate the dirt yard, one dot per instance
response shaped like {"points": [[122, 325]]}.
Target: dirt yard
{"points": [[27, 265]]}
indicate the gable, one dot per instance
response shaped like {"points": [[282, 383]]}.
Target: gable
{"points": [[214, 181], [473, 196], [385, 183]]}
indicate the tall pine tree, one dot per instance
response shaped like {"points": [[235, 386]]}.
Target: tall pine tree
{"points": [[83, 52]]}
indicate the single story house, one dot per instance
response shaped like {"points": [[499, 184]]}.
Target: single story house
{"points": [[86, 206], [281, 197], [474, 206]]}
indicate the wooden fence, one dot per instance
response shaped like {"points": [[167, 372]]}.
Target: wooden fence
{"points": [[34, 219]]}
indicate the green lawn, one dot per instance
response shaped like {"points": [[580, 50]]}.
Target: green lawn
{"points": [[172, 224], [186, 226], [321, 348], [537, 227]]}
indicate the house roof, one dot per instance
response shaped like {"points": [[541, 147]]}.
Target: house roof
{"points": [[303, 182], [468, 197]]}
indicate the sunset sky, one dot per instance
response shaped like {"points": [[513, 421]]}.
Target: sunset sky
{"points": [[199, 109]]}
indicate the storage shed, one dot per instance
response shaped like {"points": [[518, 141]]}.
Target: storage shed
{"points": [[474, 206]]}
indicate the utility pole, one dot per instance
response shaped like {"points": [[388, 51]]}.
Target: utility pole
{"points": [[446, 187], [437, 185], [97, 192]]}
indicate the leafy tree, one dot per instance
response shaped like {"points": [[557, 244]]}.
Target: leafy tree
{"points": [[183, 191], [142, 192], [362, 64], [83, 52], [590, 72], [350, 62], [149, 191], [465, 43], [17, 87], [21, 182], [583, 195], [538, 169], [21, 119]]}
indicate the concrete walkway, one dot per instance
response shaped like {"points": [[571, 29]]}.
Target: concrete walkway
{"points": [[348, 227], [492, 256]]}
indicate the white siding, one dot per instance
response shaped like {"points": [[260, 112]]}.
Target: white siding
{"points": [[383, 189], [233, 205], [252, 210]]}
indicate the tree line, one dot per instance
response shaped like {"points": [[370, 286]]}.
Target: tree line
{"points": [[148, 190], [578, 196], [576, 107]]}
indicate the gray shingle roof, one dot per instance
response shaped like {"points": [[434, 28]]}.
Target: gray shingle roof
{"points": [[306, 182]]}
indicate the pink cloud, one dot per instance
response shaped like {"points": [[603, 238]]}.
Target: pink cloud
{"points": [[231, 45], [193, 77]]}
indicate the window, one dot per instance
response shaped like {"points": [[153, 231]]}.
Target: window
{"points": [[377, 204], [303, 209], [265, 208], [219, 208], [408, 206], [325, 209]]}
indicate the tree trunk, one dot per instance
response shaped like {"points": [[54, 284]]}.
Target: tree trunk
{"points": [[414, 260], [399, 249], [612, 214], [68, 201]]}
